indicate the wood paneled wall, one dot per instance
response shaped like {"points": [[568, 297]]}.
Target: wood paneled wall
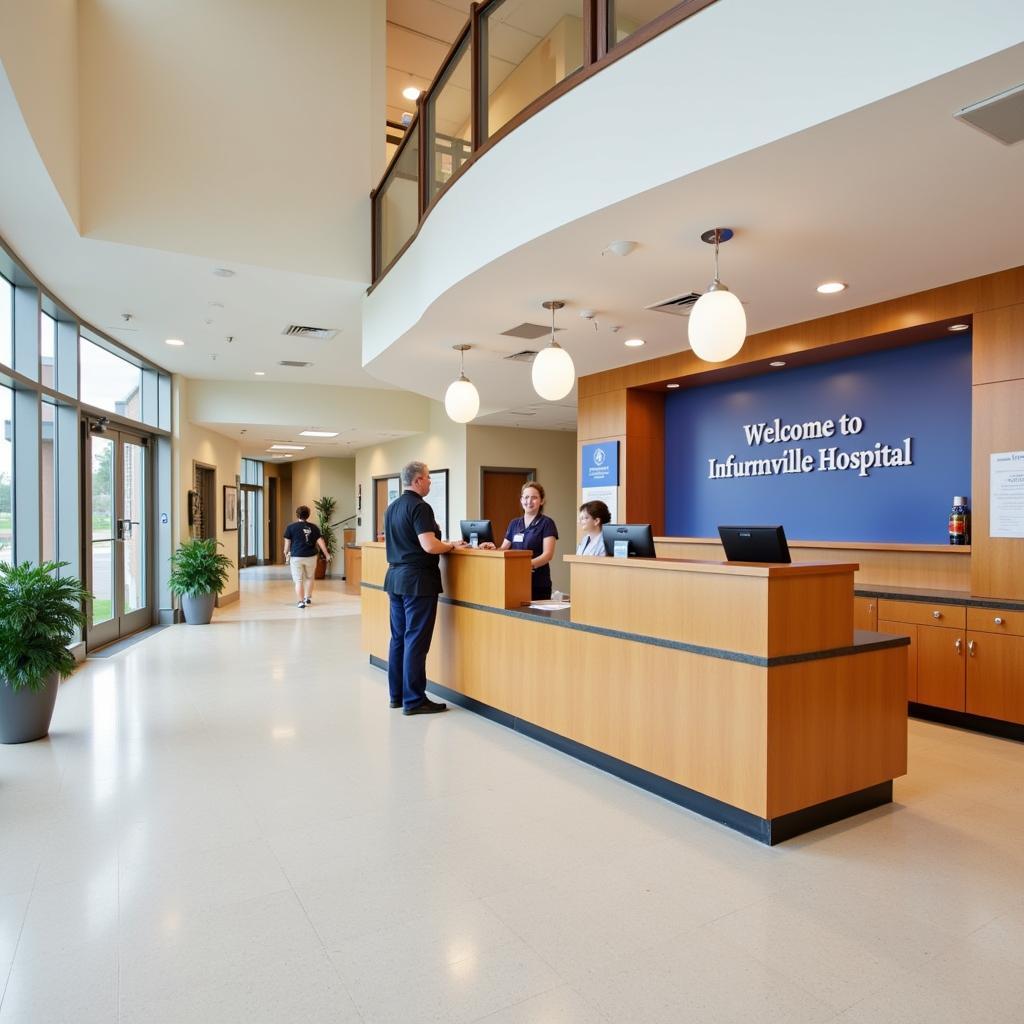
{"points": [[614, 405]]}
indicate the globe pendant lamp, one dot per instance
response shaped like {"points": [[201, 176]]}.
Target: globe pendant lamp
{"points": [[461, 400], [553, 370], [718, 323]]}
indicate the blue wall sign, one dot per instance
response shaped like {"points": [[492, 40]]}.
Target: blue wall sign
{"points": [[601, 464], [870, 448]]}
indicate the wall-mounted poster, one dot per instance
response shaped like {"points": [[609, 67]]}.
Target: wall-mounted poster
{"points": [[230, 507], [437, 499], [1006, 494]]}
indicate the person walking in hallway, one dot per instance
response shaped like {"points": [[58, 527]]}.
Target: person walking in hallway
{"points": [[413, 583], [302, 539]]}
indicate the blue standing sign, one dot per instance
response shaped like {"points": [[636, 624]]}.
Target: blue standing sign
{"points": [[601, 464]]}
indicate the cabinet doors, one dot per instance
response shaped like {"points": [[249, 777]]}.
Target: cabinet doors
{"points": [[865, 613], [941, 672], [905, 629], [995, 676]]}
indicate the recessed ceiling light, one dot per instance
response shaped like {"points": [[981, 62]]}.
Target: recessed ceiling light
{"points": [[260, 373], [410, 92], [224, 272], [634, 342], [287, 448], [777, 362], [831, 287], [671, 385], [177, 342], [959, 327], [318, 433]]}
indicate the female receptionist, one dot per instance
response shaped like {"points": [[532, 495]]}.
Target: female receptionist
{"points": [[593, 515], [533, 531]]}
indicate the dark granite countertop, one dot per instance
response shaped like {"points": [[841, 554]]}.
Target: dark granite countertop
{"points": [[934, 596]]}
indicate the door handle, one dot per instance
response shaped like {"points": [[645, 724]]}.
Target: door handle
{"points": [[958, 643], [970, 648]]}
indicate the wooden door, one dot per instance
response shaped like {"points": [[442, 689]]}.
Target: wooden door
{"points": [[905, 629], [995, 676], [499, 496], [941, 667]]}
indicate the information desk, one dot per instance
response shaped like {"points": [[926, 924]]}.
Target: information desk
{"points": [[739, 691]]}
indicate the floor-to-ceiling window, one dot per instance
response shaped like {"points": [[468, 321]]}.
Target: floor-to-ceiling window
{"points": [[251, 513], [84, 447]]}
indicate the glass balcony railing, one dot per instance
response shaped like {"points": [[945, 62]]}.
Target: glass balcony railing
{"points": [[512, 58]]}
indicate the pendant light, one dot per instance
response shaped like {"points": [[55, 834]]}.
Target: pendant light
{"points": [[461, 400], [718, 323], [553, 370]]}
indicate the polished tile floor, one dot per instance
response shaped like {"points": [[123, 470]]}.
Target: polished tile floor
{"points": [[229, 824]]}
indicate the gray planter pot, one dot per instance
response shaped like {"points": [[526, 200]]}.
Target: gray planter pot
{"points": [[198, 610], [25, 714]]}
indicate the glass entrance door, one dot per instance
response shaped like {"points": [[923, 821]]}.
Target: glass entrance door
{"points": [[117, 559], [250, 509]]}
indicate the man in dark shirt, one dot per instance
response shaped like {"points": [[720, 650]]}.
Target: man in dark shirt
{"points": [[413, 582], [301, 541]]}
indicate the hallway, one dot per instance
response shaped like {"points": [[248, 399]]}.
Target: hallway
{"points": [[227, 823]]}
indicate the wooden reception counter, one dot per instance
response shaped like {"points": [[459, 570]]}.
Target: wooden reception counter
{"points": [[739, 691]]}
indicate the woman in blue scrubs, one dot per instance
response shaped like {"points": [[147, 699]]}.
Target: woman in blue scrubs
{"points": [[535, 532]]}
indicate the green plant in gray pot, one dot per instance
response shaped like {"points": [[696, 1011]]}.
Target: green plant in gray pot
{"points": [[39, 614], [199, 572]]}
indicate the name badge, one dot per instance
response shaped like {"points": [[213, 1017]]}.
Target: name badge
{"points": [[518, 538]]}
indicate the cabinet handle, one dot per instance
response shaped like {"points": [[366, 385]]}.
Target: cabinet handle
{"points": [[970, 647], [999, 620], [958, 644], [871, 607], [936, 615]]}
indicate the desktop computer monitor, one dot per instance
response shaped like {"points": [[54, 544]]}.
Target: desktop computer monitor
{"points": [[754, 543], [628, 540], [476, 531]]}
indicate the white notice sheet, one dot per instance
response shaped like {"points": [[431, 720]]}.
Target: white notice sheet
{"points": [[1006, 494]]}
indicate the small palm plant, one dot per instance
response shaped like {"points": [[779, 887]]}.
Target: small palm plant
{"points": [[39, 614], [198, 568], [325, 507]]}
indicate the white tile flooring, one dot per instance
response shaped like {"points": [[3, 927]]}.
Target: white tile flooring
{"points": [[229, 824]]}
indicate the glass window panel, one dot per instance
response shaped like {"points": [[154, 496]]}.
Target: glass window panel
{"points": [[48, 453], [134, 533], [6, 320], [47, 346], [398, 210], [6, 473], [626, 16], [450, 121], [109, 382], [101, 535], [531, 46]]}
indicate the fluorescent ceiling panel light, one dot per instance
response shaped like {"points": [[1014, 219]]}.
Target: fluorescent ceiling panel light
{"points": [[318, 433], [287, 448]]}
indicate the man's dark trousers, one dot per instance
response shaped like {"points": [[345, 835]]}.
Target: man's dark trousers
{"points": [[412, 628]]}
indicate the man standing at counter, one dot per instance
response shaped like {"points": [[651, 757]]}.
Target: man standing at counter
{"points": [[413, 582]]}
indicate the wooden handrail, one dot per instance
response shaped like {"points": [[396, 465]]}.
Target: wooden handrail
{"points": [[598, 54]]}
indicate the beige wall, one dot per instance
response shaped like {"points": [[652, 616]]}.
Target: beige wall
{"points": [[314, 478], [196, 444], [443, 446], [553, 454], [39, 52]]}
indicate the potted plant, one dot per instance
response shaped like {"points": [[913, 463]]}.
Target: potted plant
{"points": [[39, 613], [199, 572], [325, 507]]}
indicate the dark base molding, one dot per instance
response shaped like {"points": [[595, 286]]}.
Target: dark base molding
{"points": [[964, 720], [765, 830]]}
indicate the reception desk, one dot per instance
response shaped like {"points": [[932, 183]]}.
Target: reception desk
{"points": [[742, 692]]}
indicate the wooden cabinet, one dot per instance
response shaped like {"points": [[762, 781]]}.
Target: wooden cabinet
{"points": [[941, 667], [995, 663], [905, 629], [865, 613], [952, 616]]}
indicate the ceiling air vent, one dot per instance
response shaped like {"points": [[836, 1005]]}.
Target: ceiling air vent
{"points": [[1000, 116], [319, 333], [679, 306], [526, 356], [528, 332], [293, 362]]}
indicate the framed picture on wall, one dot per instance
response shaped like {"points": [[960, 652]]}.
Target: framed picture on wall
{"points": [[230, 507], [437, 499]]}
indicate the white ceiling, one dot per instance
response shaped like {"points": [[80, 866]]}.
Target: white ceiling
{"points": [[255, 439], [893, 198]]}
